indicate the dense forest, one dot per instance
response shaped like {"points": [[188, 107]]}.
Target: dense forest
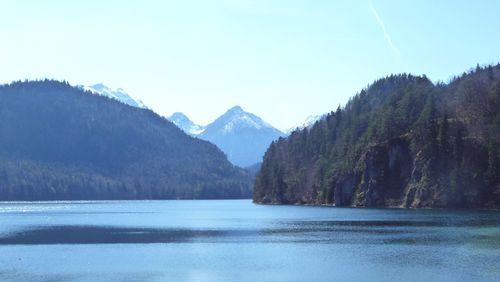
{"points": [[58, 142], [403, 141]]}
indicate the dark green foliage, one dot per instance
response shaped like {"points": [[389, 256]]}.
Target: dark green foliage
{"points": [[443, 134], [58, 142], [402, 141], [493, 172], [459, 147]]}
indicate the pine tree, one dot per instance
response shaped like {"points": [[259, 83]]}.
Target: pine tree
{"points": [[429, 127], [443, 134], [491, 74], [491, 175], [458, 149]]}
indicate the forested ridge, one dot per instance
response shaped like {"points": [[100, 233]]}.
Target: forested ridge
{"points": [[59, 142], [402, 141]]}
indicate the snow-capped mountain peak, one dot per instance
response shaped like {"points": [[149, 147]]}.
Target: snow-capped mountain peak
{"points": [[243, 136], [308, 122], [237, 119], [243, 120], [184, 123], [117, 94], [235, 109]]}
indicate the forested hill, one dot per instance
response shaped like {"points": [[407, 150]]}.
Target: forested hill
{"points": [[58, 142], [402, 141]]}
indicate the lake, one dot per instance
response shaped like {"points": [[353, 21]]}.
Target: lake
{"points": [[236, 240]]}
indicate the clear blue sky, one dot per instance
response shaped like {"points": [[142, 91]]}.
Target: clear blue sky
{"points": [[281, 60]]}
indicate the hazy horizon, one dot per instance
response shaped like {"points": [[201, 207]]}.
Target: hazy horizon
{"points": [[282, 61]]}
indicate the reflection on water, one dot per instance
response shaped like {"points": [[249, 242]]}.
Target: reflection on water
{"points": [[236, 240], [334, 232], [112, 235]]}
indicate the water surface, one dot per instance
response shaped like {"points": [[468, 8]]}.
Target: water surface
{"points": [[239, 241]]}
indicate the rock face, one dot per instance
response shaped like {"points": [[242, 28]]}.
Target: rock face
{"points": [[392, 176], [386, 173], [403, 142]]}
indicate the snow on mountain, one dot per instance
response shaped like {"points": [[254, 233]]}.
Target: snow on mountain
{"points": [[184, 123], [117, 94], [308, 122], [236, 119], [243, 136]]}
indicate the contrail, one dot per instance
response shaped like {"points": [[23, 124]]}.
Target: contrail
{"points": [[384, 30]]}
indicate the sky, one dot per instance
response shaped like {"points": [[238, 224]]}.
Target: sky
{"points": [[282, 60]]}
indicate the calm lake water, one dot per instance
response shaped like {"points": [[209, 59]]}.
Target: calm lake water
{"points": [[239, 241]]}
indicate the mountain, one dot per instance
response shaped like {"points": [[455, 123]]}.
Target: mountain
{"points": [[308, 122], [58, 142], [117, 94], [403, 141], [253, 170], [184, 123], [243, 136]]}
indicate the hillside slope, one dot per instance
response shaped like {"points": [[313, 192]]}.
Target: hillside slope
{"points": [[59, 142], [403, 141]]}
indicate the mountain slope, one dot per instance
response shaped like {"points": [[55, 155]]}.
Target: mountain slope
{"points": [[59, 142], [117, 94], [308, 122], [184, 123], [243, 136], [403, 141]]}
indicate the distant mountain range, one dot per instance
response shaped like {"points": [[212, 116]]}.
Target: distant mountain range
{"points": [[243, 136]]}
